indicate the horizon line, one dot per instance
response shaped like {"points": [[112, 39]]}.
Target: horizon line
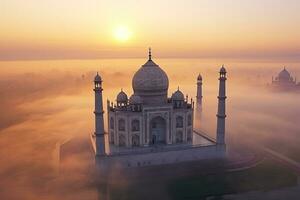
{"points": [[242, 58]]}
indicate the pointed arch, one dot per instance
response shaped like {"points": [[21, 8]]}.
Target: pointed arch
{"points": [[179, 122], [121, 125], [122, 140], [135, 140], [135, 125]]}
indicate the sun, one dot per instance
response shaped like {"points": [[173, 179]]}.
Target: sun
{"points": [[122, 33]]}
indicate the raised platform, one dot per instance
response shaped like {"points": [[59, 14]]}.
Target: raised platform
{"points": [[79, 149], [203, 147]]}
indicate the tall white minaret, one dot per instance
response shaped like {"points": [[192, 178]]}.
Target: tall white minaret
{"points": [[99, 123], [199, 89], [221, 108]]}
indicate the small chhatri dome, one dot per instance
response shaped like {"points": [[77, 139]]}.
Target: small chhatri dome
{"points": [[122, 97], [222, 70], [284, 74], [97, 78], [178, 95], [199, 77], [135, 99], [150, 80]]}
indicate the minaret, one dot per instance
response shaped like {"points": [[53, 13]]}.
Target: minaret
{"points": [[221, 108], [99, 123], [199, 89]]}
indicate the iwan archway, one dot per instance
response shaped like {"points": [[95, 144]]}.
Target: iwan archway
{"points": [[158, 131]]}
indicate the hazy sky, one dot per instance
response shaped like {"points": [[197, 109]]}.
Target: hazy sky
{"points": [[34, 29]]}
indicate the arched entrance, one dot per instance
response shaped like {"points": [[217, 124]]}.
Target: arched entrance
{"points": [[157, 130]]}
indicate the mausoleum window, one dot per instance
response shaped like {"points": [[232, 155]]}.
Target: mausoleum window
{"points": [[135, 140], [121, 125], [189, 135], [135, 125], [112, 137], [179, 137], [179, 122], [112, 123], [189, 120], [122, 141]]}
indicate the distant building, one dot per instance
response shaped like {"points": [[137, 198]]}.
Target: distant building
{"points": [[285, 81], [150, 128]]}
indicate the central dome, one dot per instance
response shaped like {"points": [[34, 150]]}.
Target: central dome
{"points": [[151, 83], [150, 77]]}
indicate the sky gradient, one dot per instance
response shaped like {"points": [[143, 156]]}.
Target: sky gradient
{"points": [[76, 29]]}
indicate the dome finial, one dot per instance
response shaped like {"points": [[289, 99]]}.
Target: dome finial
{"points": [[199, 78], [97, 78], [150, 53], [223, 70]]}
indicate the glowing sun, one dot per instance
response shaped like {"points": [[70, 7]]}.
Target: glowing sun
{"points": [[122, 33]]}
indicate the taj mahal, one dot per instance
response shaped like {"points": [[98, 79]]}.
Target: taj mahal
{"points": [[150, 128], [149, 117], [284, 81]]}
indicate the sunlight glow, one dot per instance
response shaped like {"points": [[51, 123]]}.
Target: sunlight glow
{"points": [[122, 33]]}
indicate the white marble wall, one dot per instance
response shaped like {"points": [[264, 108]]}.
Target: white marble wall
{"points": [[167, 113]]}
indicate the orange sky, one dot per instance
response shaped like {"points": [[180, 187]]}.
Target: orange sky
{"points": [[55, 29]]}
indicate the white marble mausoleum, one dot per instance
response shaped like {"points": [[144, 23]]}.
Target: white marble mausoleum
{"points": [[152, 128], [149, 116]]}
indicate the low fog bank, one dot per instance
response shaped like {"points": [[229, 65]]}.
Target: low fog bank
{"points": [[255, 114], [40, 109], [37, 111]]}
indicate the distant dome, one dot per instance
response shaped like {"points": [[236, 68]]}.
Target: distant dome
{"points": [[222, 70], [97, 78], [135, 99], [122, 97], [199, 77], [151, 83], [284, 75], [178, 96]]}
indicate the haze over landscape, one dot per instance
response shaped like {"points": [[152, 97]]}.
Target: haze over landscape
{"points": [[49, 105]]}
